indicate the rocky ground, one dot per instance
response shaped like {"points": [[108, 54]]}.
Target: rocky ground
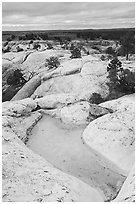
{"points": [[66, 93]]}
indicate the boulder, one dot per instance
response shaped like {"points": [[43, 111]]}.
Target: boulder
{"points": [[18, 108], [72, 84], [56, 100], [76, 113], [113, 134], [28, 89], [127, 192], [81, 113]]}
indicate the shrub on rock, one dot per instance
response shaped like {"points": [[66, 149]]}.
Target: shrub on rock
{"points": [[75, 53], [52, 62], [110, 51], [36, 46], [49, 46]]}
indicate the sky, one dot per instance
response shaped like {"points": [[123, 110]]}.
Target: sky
{"points": [[67, 15]]}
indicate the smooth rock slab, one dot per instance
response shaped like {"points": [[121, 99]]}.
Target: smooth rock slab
{"points": [[56, 100], [75, 76], [127, 192], [27, 178], [18, 108], [28, 89], [113, 135], [76, 113]]}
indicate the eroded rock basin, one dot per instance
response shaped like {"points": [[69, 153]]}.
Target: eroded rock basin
{"points": [[62, 146]]}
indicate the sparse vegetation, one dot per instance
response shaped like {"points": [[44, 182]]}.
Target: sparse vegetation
{"points": [[36, 46], [49, 46], [52, 63], [128, 45], [75, 52], [110, 51], [120, 80]]}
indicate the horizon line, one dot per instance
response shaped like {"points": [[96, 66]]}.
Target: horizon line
{"points": [[69, 29]]}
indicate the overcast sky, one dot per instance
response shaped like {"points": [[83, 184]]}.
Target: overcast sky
{"points": [[67, 15]]}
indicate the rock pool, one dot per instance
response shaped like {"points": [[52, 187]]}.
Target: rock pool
{"points": [[63, 147]]}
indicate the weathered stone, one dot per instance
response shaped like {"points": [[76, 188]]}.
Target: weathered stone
{"points": [[70, 79], [18, 108], [112, 135], [28, 89], [56, 100], [127, 192], [28, 177], [76, 114]]}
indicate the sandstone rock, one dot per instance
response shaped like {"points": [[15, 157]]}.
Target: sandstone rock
{"points": [[80, 113], [86, 80], [18, 108], [28, 177], [71, 84], [66, 68], [112, 135], [56, 100], [127, 192], [76, 114], [70, 109], [94, 68], [36, 59], [28, 89], [6, 64], [15, 57], [97, 111], [8, 92]]}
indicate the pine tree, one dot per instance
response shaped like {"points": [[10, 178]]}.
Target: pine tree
{"points": [[114, 69], [120, 80]]}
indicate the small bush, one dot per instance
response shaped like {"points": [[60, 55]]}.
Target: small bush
{"points": [[49, 46], [75, 53], [110, 51], [102, 58], [127, 81], [52, 62], [96, 99], [36, 46]]}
